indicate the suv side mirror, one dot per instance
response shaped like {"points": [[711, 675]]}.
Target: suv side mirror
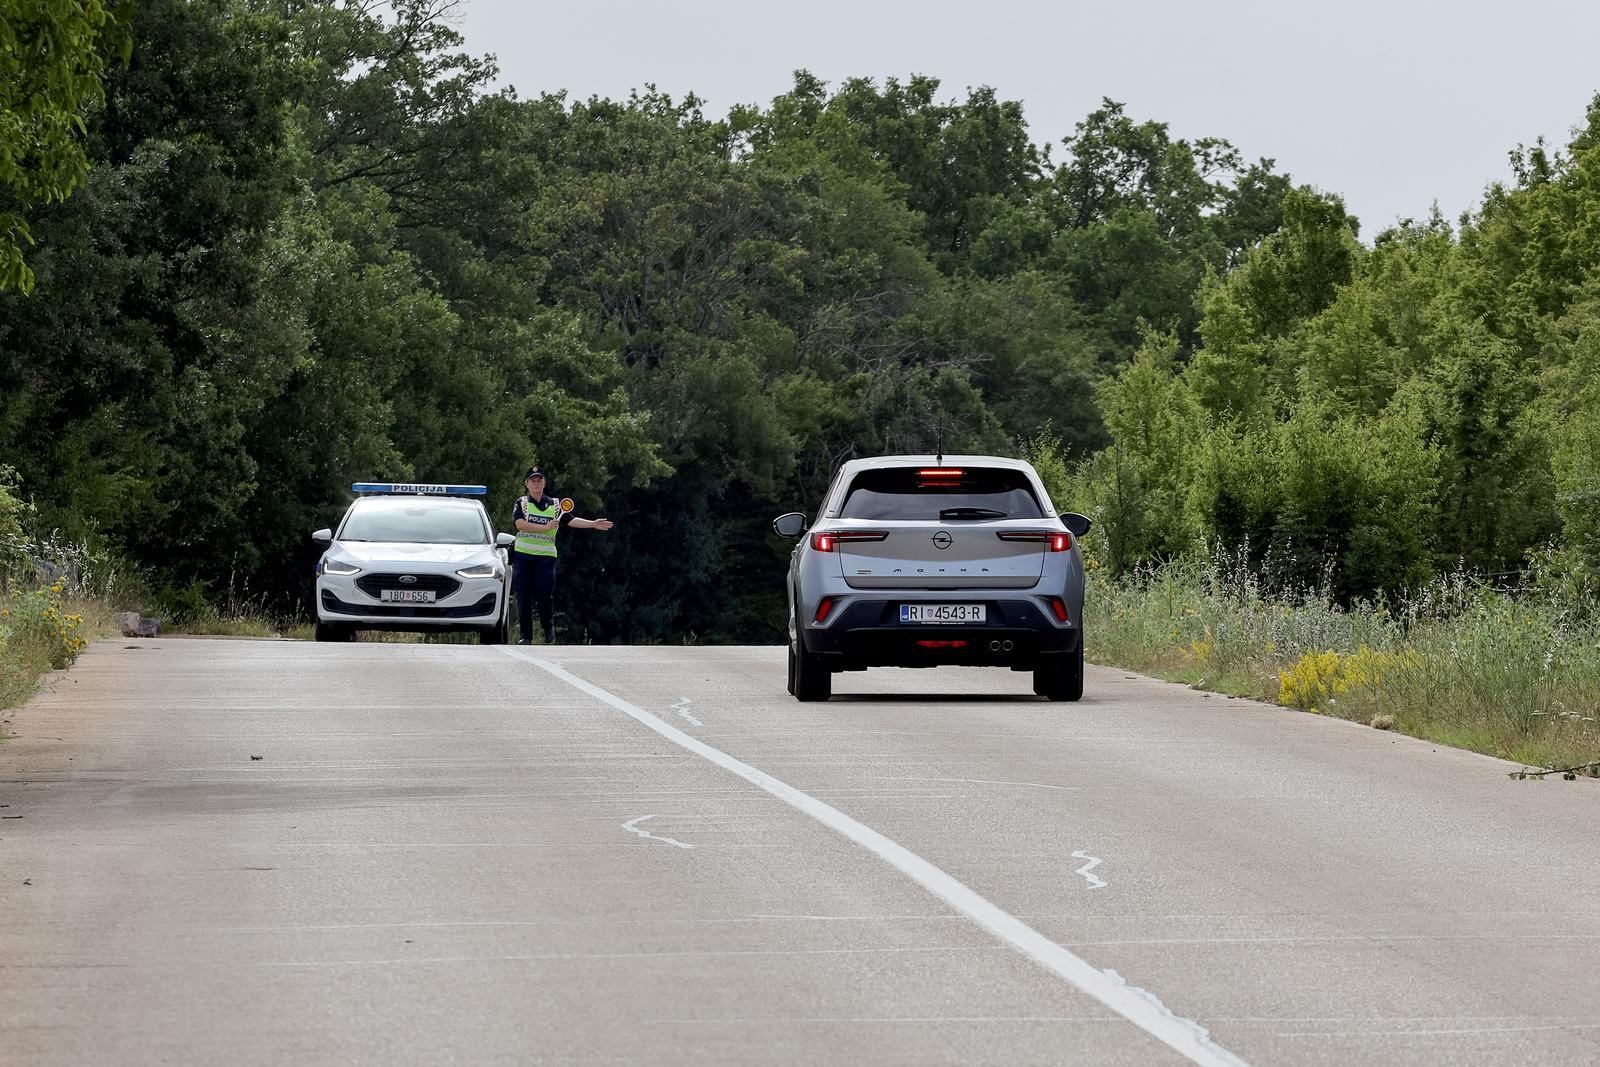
{"points": [[324, 536], [791, 525], [505, 539], [1077, 524]]}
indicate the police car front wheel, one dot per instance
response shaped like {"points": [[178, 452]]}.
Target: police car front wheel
{"points": [[331, 631]]}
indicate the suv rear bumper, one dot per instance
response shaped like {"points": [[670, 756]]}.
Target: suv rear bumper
{"points": [[869, 633]]}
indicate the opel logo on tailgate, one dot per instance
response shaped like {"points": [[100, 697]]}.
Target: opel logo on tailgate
{"points": [[942, 540], [408, 579]]}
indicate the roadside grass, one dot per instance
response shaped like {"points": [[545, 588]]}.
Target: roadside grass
{"points": [[249, 622], [41, 630], [1458, 662]]}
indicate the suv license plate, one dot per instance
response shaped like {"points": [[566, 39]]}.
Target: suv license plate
{"points": [[941, 613], [406, 596]]}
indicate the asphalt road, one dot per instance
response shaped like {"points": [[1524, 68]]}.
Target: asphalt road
{"points": [[452, 854]]}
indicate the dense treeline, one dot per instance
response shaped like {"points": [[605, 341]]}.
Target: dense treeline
{"points": [[1375, 416], [314, 246]]}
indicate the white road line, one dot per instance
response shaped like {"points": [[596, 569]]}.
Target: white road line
{"points": [[1094, 881], [1132, 1003], [682, 708], [632, 826]]}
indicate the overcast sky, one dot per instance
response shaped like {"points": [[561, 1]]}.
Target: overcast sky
{"points": [[1394, 105]]}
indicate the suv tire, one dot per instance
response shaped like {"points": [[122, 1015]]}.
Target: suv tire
{"points": [[1061, 677], [809, 677]]}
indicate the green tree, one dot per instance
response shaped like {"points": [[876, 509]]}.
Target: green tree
{"points": [[53, 55]]}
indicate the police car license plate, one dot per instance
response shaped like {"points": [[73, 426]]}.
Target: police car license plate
{"points": [[941, 613], [406, 596]]}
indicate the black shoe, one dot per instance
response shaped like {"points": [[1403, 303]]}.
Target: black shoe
{"points": [[549, 637], [526, 641]]}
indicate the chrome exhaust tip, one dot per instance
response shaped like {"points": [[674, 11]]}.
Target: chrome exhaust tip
{"points": [[1006, 646], [994, 646]]}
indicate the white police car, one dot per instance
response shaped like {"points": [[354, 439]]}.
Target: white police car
{"points": [[422, 558]]}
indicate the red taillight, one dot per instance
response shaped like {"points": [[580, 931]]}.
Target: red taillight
{"points": [[941, 472], [824, 606], [941, 644], [829, 542], [1059, 606], [1053, 540]]}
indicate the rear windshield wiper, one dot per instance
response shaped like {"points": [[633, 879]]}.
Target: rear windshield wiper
{"points": [[970, 513]]}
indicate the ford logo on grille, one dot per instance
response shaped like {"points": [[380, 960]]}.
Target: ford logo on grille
{"points": [[408, 579], [942, 540]]}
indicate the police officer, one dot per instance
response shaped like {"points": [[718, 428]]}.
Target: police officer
{"points": [[537, 518]]}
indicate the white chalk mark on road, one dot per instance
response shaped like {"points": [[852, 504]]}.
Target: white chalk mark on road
{"points": [[1095, 882], [632, 826], [1188, 1038], [682, 708]]}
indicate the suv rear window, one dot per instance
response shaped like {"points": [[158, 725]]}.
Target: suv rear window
{"points": [[922, 494]]}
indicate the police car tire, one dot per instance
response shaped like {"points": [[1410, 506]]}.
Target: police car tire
{"points": [[812, 678], [498, 634], [1061, 677], [332, 631]]}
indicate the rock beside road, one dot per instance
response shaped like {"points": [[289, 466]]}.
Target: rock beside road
{"points": [[133, 624]]}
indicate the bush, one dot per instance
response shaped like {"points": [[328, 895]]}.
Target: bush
{"points": [[40, 618], [1315, 489]]}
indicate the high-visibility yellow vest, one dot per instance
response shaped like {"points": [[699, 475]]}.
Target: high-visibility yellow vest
{"points": [[542, 543]]}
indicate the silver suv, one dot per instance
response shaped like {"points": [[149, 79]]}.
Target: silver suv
{"points": [[922, 561]]}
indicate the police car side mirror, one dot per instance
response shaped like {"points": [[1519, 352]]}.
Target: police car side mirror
{"points": [[323, 535], [505, 539], [791, 525], [1077, 524]]}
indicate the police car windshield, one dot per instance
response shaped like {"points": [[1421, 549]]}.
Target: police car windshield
{"points": [[416, 522], [922, 495]]}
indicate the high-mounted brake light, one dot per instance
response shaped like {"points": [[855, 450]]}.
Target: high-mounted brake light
{"points": [[829, 542], [1054, 540], [941, 472]]}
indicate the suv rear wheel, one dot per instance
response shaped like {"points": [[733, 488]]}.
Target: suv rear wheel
{"points": [[809, 677], [1061, 677]]}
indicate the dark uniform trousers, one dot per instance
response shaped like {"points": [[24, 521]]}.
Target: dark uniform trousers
{"points": [[533, 580]]}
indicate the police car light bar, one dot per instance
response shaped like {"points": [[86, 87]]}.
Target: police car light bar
{"points": [[414, 488]]}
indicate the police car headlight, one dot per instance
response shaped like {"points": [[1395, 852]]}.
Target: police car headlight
{"points": [[482, 570], [333, 566]]}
